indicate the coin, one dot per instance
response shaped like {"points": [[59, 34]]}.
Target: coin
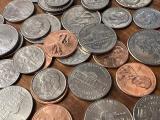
{"points": [[107, 109], [147, 108], [89, 81], [115, 58], [147, 18], [15, 103], [144, 46], [116, 17], [18, 10], [60, 44], [52, 112], [57, 3], [97, 38], [1, 19], [29, 59], [136, 79], [77, 17]]}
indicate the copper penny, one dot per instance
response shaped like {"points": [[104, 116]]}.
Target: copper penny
{"points": [[115, 58], [52, 112], [136, 79], [60, 44]]}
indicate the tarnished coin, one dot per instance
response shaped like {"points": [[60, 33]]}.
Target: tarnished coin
{"points": [[144, 46], [18, 10], [57, 3], [136, 79], [60, 44], [97, 38], [89, 81], [52, 112], [77, 17], [115, 58], [1, 19], [107, 109], [116, 17], [15, 103], [147, 108], [147, 18], [29, 59]]}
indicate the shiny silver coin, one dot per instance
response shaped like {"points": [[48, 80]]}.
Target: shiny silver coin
{"points": [[116, 17], [35, 27], [35, 1], [49, 84], [107, 109], [29, 59], [147, 18], [18, 10], [1, 19], [57, 3], [97, 38], [77, 17], [35, 41], [16, 103], [89, 81], [144, 46]]}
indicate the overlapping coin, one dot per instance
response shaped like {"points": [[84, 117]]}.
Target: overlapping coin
{"points": [[1, 19]]}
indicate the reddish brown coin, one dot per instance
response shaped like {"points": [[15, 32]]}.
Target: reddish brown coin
{"points": [[115, 58], [52, 112], [136, 79], [60, 44]]}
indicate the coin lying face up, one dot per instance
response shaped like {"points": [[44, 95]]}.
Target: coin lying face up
{"points": [[57, 3], [1, 19]]}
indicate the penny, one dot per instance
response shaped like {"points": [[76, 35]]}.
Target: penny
{"points": [[147, 108], [57, 3], [18, 10], [136, 79], [60, 44], [89, 81], [116, 17], [97, 38], [147, 18], [115, 58], [29, 59], [144, 46], [52, 112], [16, 103], [1, 19], [107, 109]]}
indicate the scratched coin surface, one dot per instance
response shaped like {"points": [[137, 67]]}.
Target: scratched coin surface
{"points": [[115, 58], [97, 38], [147, 108], [29, 59], [15, 103], [89, 81], [57, 3], [1, 19], [116, 17], [18, 10], [107, 109], [136, 79], [144, 46]]}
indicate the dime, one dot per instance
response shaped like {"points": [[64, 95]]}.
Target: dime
{"points": [[136, 79], [115, 58], [107, 109], [147, 18], [116, 17], [18, 10], [29, 59], [57, 3], [144, 46], [97, 38], [1, 19], [147, 108], [15, 103], [60, 44], [89, 81]]}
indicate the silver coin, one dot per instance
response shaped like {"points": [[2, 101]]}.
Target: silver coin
{"points": [[144, 46], [57, 3], [107, 109], [15, 103], [116, 17], [29, 59], [18, 10], [147, 18], [49, 84], [35, 27], [77, 17], [89, 81], [1, 19], [97, 38]]}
